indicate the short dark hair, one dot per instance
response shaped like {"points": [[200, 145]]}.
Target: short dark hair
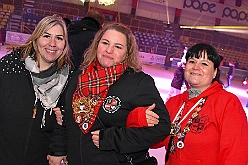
{"points": [[200, 50], [97, 15], [67, 21], [212, 54]]}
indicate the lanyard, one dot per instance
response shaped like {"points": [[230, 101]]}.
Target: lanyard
{"points": [[177, 117]]}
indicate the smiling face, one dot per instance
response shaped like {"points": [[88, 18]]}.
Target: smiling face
{"points": [[50, 46], [112, 48], [199, 73]]}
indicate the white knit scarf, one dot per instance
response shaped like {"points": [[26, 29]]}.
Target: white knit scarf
{"points": [[48, 84]]}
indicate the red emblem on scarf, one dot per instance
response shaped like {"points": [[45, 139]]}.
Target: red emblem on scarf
{"points": [[92, 89]]}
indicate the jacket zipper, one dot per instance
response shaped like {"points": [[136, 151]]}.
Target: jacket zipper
{"points": [[32, 120], [29, 131]]}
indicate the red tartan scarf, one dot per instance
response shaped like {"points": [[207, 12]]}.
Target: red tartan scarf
{"points": [[92, 89]]}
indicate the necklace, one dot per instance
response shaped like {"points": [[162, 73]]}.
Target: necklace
{"points": [[176, 124], [83, 108]]}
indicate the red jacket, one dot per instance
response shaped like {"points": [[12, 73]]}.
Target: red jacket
{"points": [[218, 136]]}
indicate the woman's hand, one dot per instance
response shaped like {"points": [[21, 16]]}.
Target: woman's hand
{"points": [[95, 137], [56, 160], [59, 115], [151, 117]]}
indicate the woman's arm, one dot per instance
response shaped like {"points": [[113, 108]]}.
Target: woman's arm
{"points": [[233, 129], [129, 140], [139, 117], [142, 116]]}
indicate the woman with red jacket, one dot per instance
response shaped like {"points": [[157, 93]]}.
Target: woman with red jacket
{"points": [[206, 128]]}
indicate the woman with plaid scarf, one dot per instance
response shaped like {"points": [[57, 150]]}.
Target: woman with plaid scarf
{"points": [[98, 100]]}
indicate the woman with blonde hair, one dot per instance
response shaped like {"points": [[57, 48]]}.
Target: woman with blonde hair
{"points": [[32, 77]]}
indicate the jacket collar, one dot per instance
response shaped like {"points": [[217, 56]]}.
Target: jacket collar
{"points": [[215, 87]]}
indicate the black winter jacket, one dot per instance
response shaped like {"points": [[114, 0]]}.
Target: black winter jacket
{"points": [[130, 91], [81, 34], [22, 140]]}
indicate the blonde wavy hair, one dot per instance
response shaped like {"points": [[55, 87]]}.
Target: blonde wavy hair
{"points": [[43, 26], [132, 59]]}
